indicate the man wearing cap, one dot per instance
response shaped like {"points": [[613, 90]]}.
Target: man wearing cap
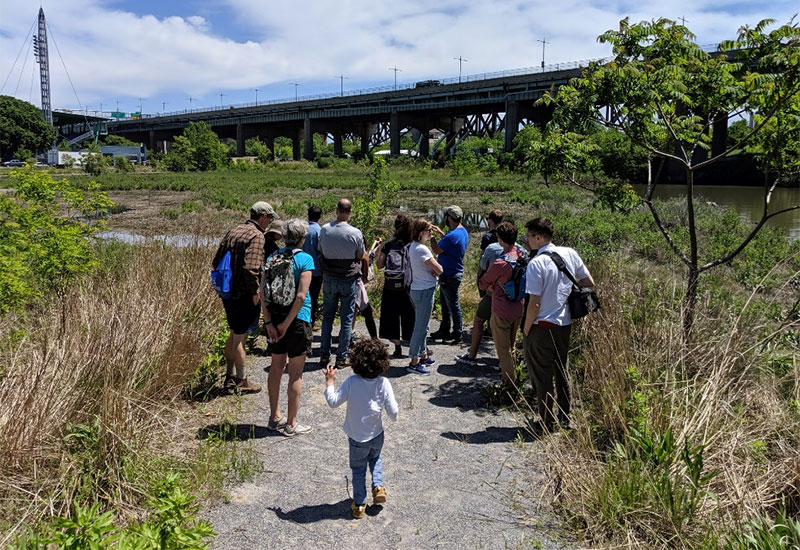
{"points": [[450, 250], [246, 245], [343, 259]]}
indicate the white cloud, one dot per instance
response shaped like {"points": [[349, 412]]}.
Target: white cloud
{"points": [[113, 52]]}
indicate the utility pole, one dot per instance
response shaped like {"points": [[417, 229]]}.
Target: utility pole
{"points": [[140, 107], [295, 84], [460, 61], [118, 105], [341, 78], [395, 69], [684, 20], [544, 43], [163, 106], [256, 91], [220, 99], [189, 99]]}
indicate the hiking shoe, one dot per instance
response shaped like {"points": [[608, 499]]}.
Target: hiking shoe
{"points": [[276, 425], [467, 359], [398, 354], [229, 383], [359, 511], [342, 363], [427, 362], [355, 336], [324, 361], [452, 339], [297, 429], [378, 495], [243, 385], [438, 335], [419, 368]]}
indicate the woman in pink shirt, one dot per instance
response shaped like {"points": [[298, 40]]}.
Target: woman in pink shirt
{"points": [[506, 313]]}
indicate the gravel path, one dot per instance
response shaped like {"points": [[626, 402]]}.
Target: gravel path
{"points": [[457, 475]]}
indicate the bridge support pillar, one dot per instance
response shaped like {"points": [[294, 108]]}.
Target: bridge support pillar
{"points": [[270, 142], [365, 141], [337, 144], [394, 134], [511, 125], [424, 144], [152, 139], [239, 140], [308, 137], [296, 145], [719, 138]]}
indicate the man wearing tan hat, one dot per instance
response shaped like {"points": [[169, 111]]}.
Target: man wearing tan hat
{"points": [[246, 245], [450, 249]]}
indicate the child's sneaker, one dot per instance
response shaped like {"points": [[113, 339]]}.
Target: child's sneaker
{"points": [[358, 511], [419, 368], [378, 495]]}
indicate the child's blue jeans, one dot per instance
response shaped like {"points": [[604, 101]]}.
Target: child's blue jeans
{"points": [[361, 455]]}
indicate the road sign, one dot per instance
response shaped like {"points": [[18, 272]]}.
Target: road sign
{"points": [[117, 114], [136, 115]]}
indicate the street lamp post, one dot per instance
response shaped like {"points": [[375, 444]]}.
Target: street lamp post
{"points": [[544, 43], [295, 84], [256, 91], [220, 99], [395, 69], [341, 78], [460, 61]]}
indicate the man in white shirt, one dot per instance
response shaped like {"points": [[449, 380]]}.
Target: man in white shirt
{"points": [[548, 322]]}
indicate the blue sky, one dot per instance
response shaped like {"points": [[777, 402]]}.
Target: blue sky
{"points": [[166, 52]]}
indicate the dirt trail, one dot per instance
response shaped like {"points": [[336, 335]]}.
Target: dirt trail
{"points": [[457, 475]]}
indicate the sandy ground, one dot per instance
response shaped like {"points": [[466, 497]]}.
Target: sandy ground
{"points": [[457, 474]]}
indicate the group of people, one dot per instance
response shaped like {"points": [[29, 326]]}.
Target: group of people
{"points": [[281, 284]]}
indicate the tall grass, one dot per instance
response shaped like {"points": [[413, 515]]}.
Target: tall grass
{"points": [[675, 446], [91, 383]]}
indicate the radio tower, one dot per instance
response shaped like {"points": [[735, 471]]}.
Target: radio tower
{"points": [[40, 51]]}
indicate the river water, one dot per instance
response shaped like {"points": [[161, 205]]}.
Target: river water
{"points": [[748, 201]]}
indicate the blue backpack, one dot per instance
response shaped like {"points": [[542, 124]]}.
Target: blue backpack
{"points": [[514, 287], [222, 276]]}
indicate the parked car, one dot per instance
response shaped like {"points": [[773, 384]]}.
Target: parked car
{"points": [[13, 162]]}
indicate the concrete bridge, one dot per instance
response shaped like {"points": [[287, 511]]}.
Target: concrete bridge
{"points": [[484, 104]]}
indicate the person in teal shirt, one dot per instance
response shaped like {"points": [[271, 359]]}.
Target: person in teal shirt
{"points": [[289, 333]]}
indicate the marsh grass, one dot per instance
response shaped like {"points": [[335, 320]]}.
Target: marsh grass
{"points": [[90, 389], [676, 445]]}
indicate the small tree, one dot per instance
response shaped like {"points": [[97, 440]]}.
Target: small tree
{"points": [[664, 92], [198, 148], [44, 244]]}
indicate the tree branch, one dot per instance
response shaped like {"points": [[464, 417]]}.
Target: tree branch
{"points": [[664, 232], [752, 132], [764, 217], [660, 112]]}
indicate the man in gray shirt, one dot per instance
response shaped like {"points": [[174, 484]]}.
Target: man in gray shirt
{"points": [[343, 260]]}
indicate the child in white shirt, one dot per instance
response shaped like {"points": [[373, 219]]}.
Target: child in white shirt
{"points": [[367, 394]]}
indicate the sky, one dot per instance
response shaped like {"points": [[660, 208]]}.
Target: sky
{"points": [[172, 55]]}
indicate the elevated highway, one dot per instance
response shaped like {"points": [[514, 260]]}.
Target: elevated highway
{"points": [[473, 105]]}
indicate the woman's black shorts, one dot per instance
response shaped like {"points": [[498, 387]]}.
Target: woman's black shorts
{"points": [[296, 341]]}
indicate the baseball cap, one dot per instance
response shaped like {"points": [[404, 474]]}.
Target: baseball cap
{"points": [[262, 207], [275, 227], [454, 212]]}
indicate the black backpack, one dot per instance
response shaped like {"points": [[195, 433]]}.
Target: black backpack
{"points": [[581, 301], [397, 272]]}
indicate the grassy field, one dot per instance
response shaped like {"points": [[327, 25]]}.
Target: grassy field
{"points": [[674, 444]]}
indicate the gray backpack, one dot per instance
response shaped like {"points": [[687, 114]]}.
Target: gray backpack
{"points": [[277, 283]]}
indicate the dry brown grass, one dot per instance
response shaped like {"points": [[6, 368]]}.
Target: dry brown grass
{"points": [[723, 391], [116, 350]]}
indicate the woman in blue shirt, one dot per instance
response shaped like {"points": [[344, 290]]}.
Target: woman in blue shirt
{"points": [[289, 332]]}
